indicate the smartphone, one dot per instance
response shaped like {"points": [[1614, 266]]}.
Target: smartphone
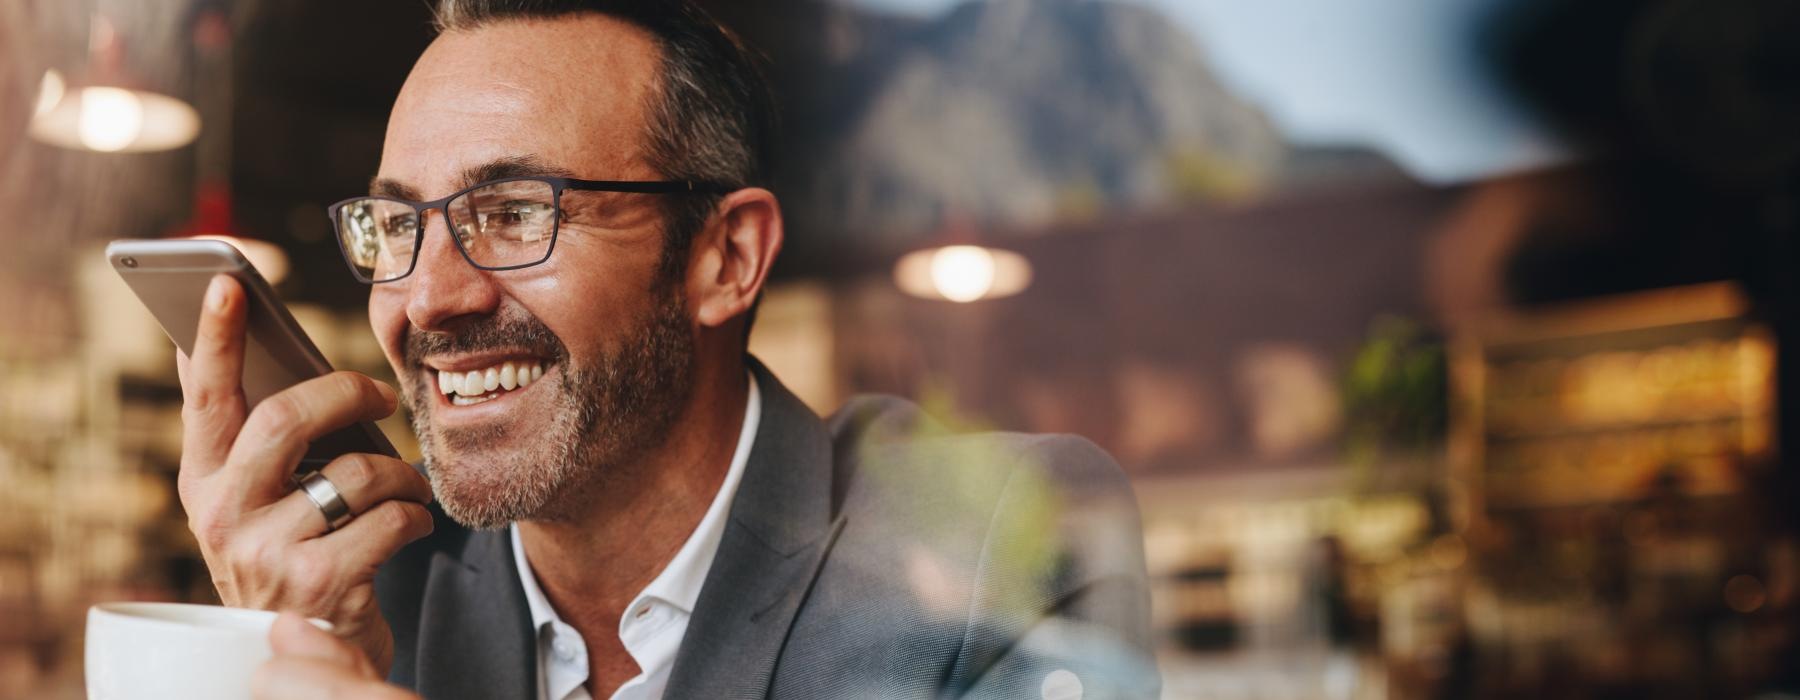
{"points": [[171, 277]]}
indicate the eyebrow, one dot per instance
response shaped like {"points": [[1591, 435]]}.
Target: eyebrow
{"points": [[509, 166]]}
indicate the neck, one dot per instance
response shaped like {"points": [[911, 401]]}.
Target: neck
{"points": [[592, 564]]}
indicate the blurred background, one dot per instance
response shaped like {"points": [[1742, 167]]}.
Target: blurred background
{"points": [[1442, 340]]}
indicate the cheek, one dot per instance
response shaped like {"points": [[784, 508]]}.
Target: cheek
{"points": [[588, 292], [387, 319]]}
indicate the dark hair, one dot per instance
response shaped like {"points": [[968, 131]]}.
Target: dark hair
{"points": [[711, 117]]}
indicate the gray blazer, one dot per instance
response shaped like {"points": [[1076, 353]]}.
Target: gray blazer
{"points": [[875, 555]]}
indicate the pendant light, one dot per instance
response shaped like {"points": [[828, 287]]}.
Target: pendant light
{"points": [[106, 111], [961, 270]]}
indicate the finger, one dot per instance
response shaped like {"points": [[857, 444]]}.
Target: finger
{"points": [[362, 480], [277, 433], [369, 539], [212, 379], [292, 635], [300, 678]]}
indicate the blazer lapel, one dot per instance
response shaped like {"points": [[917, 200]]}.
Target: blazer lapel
{"points": [[780, 531], [475, 636]]}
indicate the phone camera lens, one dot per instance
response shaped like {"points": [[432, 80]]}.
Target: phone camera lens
{"points": [[128, 261]]}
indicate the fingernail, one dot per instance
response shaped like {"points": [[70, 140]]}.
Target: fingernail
{"points": [[215, 294], [387, 392]]}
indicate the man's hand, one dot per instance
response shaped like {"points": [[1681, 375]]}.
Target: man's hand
{"points": [[266, 544], [312, 665]]}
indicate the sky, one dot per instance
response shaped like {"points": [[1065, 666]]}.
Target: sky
{"points": [[1397, 75]]}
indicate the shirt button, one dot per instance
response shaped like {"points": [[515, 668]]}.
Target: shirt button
{"points": [[564, 650]]}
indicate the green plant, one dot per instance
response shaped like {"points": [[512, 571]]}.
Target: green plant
{"points": [[1395, 393]]}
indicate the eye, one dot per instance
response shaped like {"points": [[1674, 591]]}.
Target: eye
{"points": [[401, 224], [513, 214]]}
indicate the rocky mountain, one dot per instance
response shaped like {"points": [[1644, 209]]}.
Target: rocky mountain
{"points": [[1021, 112]]}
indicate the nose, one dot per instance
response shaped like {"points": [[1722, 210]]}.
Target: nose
{"points": [[444, 287]]}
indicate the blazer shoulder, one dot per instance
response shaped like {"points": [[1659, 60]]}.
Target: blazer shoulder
{"points": [[1071, 460], [884, 442], [1023, 531], [875, 422]]}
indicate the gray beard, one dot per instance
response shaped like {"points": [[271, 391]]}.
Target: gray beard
{"points": [[605, 418]]}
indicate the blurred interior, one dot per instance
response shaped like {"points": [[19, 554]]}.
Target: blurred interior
{"points": [[1443, 344]]}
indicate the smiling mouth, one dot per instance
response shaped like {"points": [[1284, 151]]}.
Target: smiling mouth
{"points": [[467, 388]]}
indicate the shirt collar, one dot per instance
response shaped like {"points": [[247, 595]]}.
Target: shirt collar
{"points": [[541, 612], [679, 582]]}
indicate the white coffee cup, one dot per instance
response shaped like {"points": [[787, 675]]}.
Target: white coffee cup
{"points": [[165, 651]]}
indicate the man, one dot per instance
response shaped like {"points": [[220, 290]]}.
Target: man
{"points": [[621, 502]]}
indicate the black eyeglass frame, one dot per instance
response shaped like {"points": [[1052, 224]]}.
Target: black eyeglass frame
{"points": [[557, 185]]}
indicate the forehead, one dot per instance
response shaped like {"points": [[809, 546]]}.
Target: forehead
{"points": [[569, 92]]}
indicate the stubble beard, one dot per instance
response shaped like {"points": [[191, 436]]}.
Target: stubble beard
{"points": [[604, 417]]}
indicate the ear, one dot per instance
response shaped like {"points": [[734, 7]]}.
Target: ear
{"points": [[732, 255]]}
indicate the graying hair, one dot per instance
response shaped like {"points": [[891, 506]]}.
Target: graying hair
{"points": [[711, 117]]}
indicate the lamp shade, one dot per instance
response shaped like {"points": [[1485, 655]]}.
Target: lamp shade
{"points": [[962, 273], [110, 119]]}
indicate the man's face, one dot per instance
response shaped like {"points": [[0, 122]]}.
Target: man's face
{"points": [[611, 335]]}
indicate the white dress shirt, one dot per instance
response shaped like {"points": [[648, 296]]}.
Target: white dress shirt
{"points": [[653, 625]]}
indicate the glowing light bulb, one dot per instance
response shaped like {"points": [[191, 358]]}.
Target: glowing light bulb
{"points": [[962, 273], [111, 118]]}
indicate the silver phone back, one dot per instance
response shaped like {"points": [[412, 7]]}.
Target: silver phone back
{"points": [[171, 276]]}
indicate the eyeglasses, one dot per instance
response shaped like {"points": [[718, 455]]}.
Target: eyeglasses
{"points": [[502, 224]]}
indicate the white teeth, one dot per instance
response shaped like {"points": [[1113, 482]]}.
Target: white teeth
{"points": [[475, 386]]}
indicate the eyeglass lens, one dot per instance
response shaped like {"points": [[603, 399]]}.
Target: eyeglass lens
{"points": [[499, 225]]}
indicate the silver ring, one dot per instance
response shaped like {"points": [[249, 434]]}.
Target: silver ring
{"points": [[324, 495]]}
